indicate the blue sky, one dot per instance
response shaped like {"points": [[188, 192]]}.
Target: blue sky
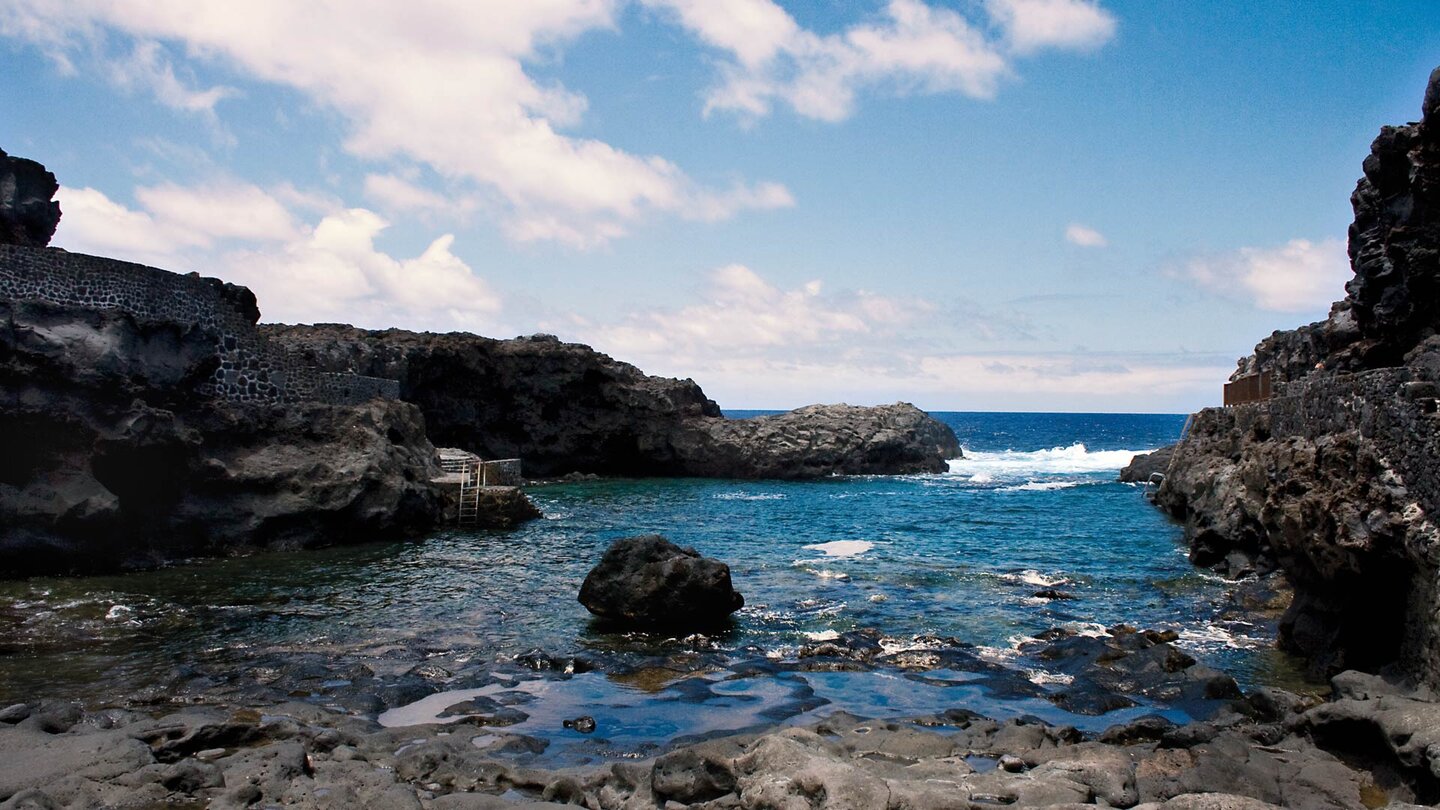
{"points": [[1054, 205]]}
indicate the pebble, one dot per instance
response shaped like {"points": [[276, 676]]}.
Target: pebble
{"points": [[14, 714], [1012, 763], [210, 754]]}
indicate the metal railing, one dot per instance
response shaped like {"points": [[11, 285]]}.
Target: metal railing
{"points": [[1248, 389]]}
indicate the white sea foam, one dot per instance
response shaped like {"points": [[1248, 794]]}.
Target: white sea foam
{"points": [[822, 635], [981, 466], [748, 496], [1037, 578], [842, 548], [1214, 635], [1040, 486], [1041, 677]]}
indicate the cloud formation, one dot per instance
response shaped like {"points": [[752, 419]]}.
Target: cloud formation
{"points": [[913, 47], [1077, 234], [331, 270], [429, 82], [1298, 276]]}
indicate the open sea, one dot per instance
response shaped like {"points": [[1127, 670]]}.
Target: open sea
{"points": [[1034, 504]]}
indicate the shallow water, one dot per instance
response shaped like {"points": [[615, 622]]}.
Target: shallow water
{"points": [[961, 554]]}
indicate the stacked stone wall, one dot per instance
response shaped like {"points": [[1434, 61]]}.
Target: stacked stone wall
{"points": [[251, 369]]}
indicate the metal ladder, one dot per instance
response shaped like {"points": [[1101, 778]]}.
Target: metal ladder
{"points": [[469, 509]]}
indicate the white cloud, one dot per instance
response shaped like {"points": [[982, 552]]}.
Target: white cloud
{"points": [[913, 47], [335, 273], [1033, 25], [440, 83], [1299, 276], [394, 193], [331, 271], [147, 67], [1077, 234], [744, 313]]}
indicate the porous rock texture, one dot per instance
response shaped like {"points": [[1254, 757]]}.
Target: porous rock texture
{"points": [[1336, 478], [650, 582], [112, 459], [566, 408], [1144, 465], [303, 756], [28, 214]]}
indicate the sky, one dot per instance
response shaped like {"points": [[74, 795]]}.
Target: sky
{"points": [[1039, 205]]}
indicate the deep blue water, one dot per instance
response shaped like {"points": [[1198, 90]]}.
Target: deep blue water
{"points": [[1034, 503]]}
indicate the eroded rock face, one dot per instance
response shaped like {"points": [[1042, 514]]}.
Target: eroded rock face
{"points": [[113, 461], [28, 214], [565, 408], [1335, 479], [1144, 465], [650, 582]]}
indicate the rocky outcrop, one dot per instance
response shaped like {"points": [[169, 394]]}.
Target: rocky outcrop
{"points": [[28, 214], [565, 408], [1335, 478], [112, 460], [649, 582], [1144, 465]]}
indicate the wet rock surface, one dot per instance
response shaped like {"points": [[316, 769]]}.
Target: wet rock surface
{"points": [[566, 408], [1272, 749], [28, 213], [649, 582]]}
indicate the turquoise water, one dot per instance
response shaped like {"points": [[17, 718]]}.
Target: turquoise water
{"points": [[1033, 505]]}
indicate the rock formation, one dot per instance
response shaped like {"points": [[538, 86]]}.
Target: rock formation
{"points": [[1144, 465], [564, 408], [649, 582], [113, 461], [1335, 479], [28, 215]]}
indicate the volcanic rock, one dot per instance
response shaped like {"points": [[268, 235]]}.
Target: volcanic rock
{"points": [[113, 460], [565, 408], [1334, 478], [1144, 465], [649, 582], [28, 215]]}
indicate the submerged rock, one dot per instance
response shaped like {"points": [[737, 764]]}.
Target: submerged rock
{"points": [[650, 582]]}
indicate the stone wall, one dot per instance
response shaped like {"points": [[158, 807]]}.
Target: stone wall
{"points": [[251, 369]]}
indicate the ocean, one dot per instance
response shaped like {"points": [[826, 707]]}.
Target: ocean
{"points": [[1034, 505]]}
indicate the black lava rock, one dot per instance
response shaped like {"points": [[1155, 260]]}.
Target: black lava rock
{"points": [[649, 582]]}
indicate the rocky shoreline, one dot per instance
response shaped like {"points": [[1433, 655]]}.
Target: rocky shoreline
{"points": [[1369, 745]]}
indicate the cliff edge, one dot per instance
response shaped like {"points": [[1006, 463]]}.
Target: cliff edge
{"points": [[1335, 478]]}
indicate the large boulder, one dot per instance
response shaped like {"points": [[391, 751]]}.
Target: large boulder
{"points": [[650, 582], [28, 215]]}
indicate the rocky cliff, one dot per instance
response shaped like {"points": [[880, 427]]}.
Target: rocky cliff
{"points": [[1335, 478], [140, 422], [112, 461], [564, 407]]}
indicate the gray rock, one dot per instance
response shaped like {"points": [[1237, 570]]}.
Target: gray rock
{"points": [[648, 581], [14, 714]]}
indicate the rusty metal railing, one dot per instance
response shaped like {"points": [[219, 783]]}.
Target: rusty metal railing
{"points": [[1247, 389]]}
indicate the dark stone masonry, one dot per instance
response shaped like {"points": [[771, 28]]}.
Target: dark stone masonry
{"points": [[251, 369]]}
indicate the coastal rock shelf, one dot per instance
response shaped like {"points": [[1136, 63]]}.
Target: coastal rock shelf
{"points": [[564, 407], [1335, 478]]}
